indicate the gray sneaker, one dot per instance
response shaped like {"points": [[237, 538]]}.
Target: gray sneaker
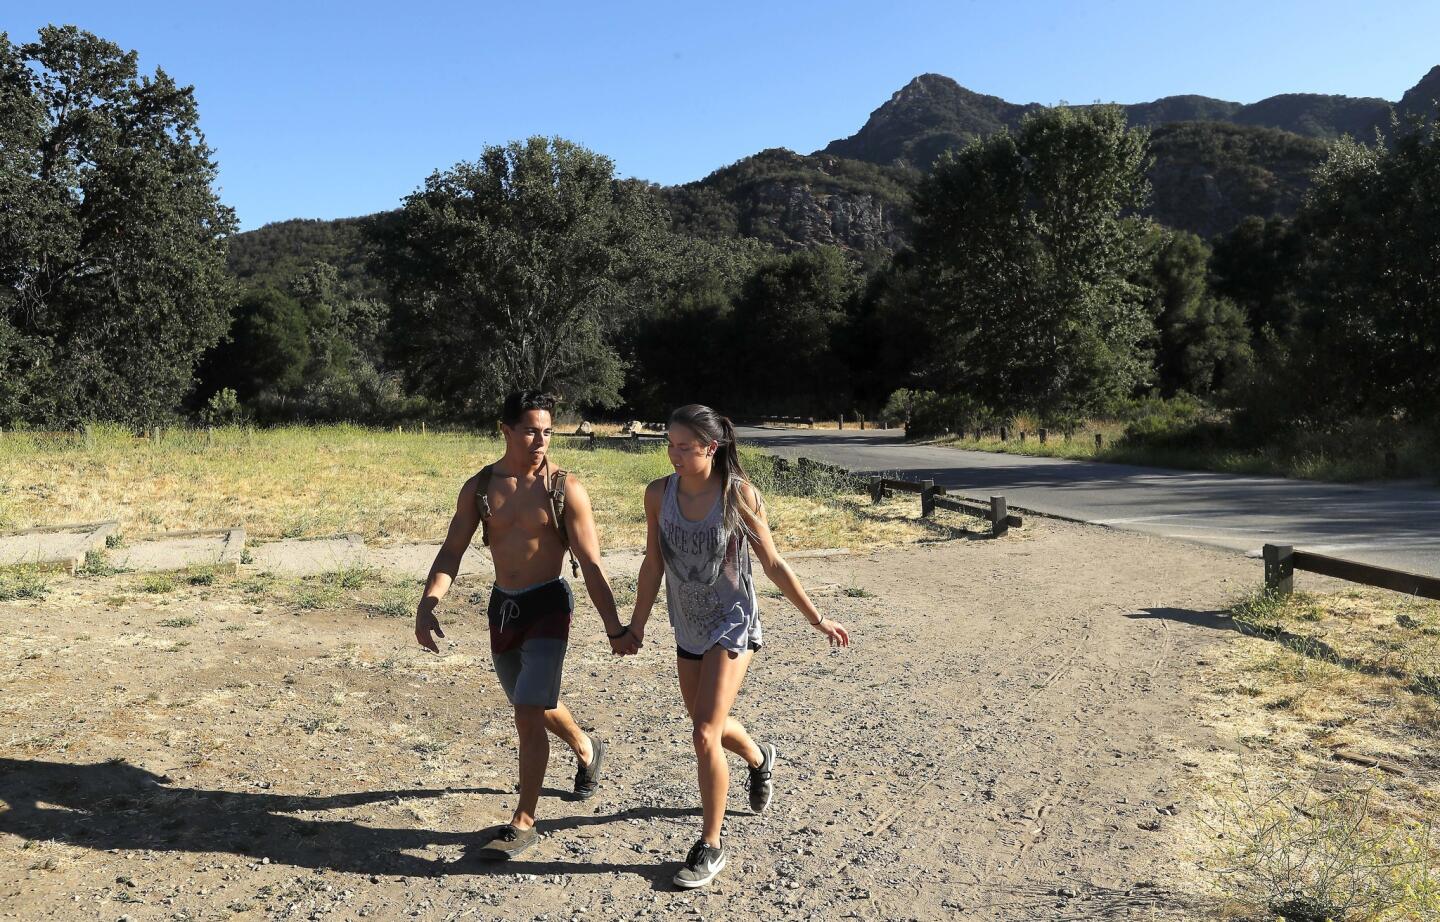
{"points": [[701, 866], [508, 842], [761, 786], [587, 777]]}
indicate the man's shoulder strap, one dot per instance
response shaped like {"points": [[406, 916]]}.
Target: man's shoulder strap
{"points": [[482, 501], [557, 509]]}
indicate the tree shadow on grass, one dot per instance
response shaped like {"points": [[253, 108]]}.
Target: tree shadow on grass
{"points": [[115, 805], [1302, 644]]}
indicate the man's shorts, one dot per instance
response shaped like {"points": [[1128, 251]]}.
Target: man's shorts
{"points": [[529, 631]]}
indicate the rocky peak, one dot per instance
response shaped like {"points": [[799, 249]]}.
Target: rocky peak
{"points": [[1420, 98]]}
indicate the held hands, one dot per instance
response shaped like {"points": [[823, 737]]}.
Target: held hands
{"points": [[627, 644], [834, 631]]}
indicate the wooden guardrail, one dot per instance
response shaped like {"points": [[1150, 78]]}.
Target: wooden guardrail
{"points": [[1282, 560], [933, 497], [797, 420], [631, 441]]}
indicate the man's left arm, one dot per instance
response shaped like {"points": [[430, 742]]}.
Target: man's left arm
{"points": [[585, 545]]}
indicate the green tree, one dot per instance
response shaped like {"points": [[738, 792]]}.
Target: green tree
{"points": [[787, 317], [1030, 260], [1255, 265], [268, 352], [685, 332], [1371, 271], [112, 240], [518, 270], [886, 344], [1202, 340]]}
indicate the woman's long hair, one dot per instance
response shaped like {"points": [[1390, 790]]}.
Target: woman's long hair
{"points": [[712, 427]]}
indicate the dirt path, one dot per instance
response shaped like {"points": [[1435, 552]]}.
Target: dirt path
{"points": [[1004, 741]]}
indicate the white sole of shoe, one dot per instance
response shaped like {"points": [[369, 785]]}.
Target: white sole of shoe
{"points": [[688, 884]]}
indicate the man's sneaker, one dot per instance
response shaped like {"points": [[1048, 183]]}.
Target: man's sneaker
{"points": [[761, 787], [509, 841], [587, 777], [701, 866]]}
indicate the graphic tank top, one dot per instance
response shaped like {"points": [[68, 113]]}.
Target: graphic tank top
{"points": [[708, 587]]}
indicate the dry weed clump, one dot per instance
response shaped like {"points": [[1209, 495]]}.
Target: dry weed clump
{"points": [[1326, 682], [1288, 850], [23, 582]]}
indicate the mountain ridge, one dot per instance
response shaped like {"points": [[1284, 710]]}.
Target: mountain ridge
{"points": [[933, 113], [1217, 162]]}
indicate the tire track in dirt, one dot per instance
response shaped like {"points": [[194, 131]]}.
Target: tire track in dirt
{"points": [[1092, 685], [973, 742]]}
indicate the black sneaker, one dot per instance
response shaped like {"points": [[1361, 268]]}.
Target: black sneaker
{"points": [[701, 866], [509, 841], [761, 787], [587, 777]]}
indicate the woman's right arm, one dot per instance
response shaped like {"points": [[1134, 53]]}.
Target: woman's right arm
{"points": [[652, 568]]}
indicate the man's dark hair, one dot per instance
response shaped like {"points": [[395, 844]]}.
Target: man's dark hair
{"points": [[521, 402]]}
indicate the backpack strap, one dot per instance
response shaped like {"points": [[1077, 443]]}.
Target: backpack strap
{"points": [[482, 502], [555, 488], [557, 510]]}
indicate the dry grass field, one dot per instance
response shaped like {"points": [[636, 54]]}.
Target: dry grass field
{"points": [[1323, 801], [301, 482]]}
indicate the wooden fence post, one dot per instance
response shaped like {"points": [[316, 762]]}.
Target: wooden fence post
{"points": [[840, 421], [1099, 441], [422, 427], [1022, 436], [209, 435], [927, 498], [89, 437], [1004, 433], [1042, 435], [999, 517], [1279, 568], [877, 489]]}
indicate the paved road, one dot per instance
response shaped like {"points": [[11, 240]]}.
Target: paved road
{"points": [[1391, 526]]}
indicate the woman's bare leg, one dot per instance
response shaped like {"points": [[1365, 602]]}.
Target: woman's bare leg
{"points": [[718, 682], [736, 738]]}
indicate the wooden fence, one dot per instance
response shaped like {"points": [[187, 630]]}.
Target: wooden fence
{"points": [[1282, 560], [933, 497], [816, 421], [590, 440]]}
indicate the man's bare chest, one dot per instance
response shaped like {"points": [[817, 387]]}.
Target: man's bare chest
{"points": [[519, 510]]}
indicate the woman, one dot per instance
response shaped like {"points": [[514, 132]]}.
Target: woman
{"points": [[702, 522]]}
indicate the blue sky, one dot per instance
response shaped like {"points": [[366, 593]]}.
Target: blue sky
{"points": [[330, 109]]}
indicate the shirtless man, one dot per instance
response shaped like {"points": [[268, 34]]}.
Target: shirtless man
{"points": [[531, 603]]}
